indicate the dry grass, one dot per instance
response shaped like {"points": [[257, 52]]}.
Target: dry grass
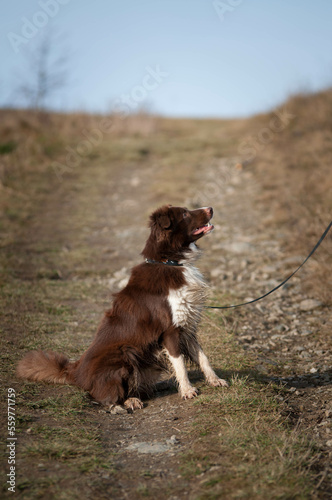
{"points": [[295, 168]]}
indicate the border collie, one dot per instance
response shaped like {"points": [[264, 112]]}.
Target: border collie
{"points": [[151, 325]]}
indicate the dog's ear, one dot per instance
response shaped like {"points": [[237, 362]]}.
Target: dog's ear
{"points": [[161, 218], [164, 221]]}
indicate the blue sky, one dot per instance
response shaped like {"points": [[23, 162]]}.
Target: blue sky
{"points": [[237, 59]]}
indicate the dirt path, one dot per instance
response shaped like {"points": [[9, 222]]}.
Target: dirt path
{"points": [[97, 222], [245, 258]]}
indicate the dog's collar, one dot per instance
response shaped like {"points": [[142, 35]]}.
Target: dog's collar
{"points": [[166, 262]]}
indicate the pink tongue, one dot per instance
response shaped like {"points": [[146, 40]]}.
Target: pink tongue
{"points": [[201, 230]]}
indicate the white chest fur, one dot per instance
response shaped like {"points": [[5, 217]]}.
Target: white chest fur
{"points": [[186, 303]]}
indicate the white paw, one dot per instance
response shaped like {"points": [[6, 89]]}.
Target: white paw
{"points": [[189, 393], [133, 404], [217, 382]]}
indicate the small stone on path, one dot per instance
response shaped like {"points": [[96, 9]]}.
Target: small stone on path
{"points": [[310, 304], [143, 447]]}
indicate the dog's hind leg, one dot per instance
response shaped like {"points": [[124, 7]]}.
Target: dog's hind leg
{"points": [[110, 388], [133, 404]]}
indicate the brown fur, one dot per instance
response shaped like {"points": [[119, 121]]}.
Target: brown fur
{"points": [[126, 354], [49, 366]]}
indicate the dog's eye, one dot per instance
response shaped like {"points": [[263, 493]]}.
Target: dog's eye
{"points": [[185, 214]]}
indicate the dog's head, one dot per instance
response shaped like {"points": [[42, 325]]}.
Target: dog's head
{"points": [[173, 229]]}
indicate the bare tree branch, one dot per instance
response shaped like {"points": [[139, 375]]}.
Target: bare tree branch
{"points": [[46, 73]]}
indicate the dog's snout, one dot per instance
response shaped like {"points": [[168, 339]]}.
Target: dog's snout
{"points": [[209, 211]]}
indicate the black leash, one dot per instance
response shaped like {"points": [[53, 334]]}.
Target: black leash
{"points": [[281, 284]]}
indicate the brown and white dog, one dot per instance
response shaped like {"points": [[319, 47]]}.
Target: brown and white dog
{"points": [[152, 323]]}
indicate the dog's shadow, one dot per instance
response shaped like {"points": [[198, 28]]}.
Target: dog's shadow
{"points": [[168, 386], [299, 381]]}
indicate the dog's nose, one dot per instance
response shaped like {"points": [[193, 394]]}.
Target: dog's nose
{"points": [[209, 211]]}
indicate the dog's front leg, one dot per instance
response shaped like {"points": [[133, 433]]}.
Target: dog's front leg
{"points": [[186, 390], [211, 377], [171, 344]]}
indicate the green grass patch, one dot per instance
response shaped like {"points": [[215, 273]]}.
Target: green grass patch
{"points": [[63, 444], [7, 147]]}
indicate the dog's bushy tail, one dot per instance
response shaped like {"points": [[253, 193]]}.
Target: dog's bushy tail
{"points": [[48, 366]]}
